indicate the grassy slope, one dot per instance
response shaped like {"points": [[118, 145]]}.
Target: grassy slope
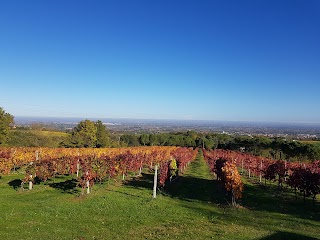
{"points": [[310, 142], [44, 133], [51, 133], [36, 138], [193, 207]]}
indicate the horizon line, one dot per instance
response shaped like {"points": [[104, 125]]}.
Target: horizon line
{"points": [[172, 119]]}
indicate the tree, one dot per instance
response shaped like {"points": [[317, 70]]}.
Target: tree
{"points": [[130, 140], [189, 141], [209, 143], [144, 139], [5, 120], [84, 134], [102, 135], [153, 140], [313, 151], [162, 138], [173, 140], [89, 134]]}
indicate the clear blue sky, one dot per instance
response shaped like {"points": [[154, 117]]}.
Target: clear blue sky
{"points": [[211, 60]]}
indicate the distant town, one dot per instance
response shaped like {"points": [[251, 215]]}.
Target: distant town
{"points": [[299, 131]]}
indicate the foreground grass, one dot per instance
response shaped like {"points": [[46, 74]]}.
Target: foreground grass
{"points": [[193, 207]]}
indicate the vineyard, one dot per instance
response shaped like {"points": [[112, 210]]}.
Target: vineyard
{"points": [[198, 190], [91, 165], [304, 177]]}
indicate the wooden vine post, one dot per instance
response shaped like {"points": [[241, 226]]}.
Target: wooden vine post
{"points": [[124, 175], [31, 176], [285, 170], [155, 181], [78, 164], [242, 166], [88, 186], [87, 182], [260, 177], [30, 182], [78, 168], [140, 169]]}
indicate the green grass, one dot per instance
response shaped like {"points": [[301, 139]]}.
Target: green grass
{"points": [[50, 133], [193, 207], [35, 138], [44, 133], [310, 142]]}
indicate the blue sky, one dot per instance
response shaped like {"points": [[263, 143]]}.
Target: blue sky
{"points": [[209, 60]]}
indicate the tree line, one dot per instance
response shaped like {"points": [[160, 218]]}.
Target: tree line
{"points": [[275, 148]]}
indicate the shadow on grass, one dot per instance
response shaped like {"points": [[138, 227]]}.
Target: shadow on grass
{"points": [[270, 199], [256, 197], [145, 181], [185, 188], [16, 183], [124, 193], [198, 189], [287, 235], [68, 186]]}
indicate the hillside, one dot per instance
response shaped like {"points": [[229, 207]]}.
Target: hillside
{"points": [[192, 207]]}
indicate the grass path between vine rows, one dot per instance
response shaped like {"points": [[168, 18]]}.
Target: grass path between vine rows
{"points": [[196, 183], [192, 207]]}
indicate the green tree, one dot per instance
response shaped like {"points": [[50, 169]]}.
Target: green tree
{"points": [[102, 135], [5, 120], [312, 151], [144, 139], [162, 138], [130, 140], [179, 140], [84, 134], [210, 143], [188, 141], [173, 140], [224, 140], [153, 140]]}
